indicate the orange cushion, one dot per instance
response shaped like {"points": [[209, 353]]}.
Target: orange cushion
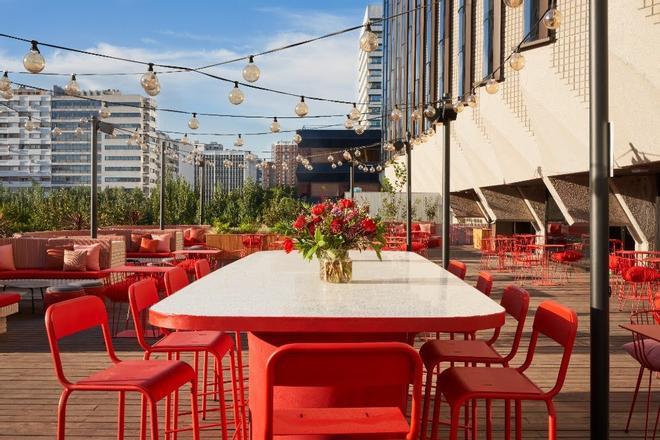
{"points": [[148, 245], [93, 255], [75, 261], [163, 242], [55, 256], [7, 257], [136, 240], [197, 234]]}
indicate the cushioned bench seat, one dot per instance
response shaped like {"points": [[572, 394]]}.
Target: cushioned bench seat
{"points": [[45, 274], [8, 306], [139, 255]]}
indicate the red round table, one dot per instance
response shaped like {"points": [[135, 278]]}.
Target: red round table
{"points": [[545, 278]]}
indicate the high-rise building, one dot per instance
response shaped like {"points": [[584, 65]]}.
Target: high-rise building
{"points": [[370, 70], [121, 164], [227, 169], [283, 156], [171, 153], [25, 156]]}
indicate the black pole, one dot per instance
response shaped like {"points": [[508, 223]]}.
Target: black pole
{"points": [[162, 186], [202, 201], [446, 165], [408, 197], [351, 178], [93, 205], [599, 159]]}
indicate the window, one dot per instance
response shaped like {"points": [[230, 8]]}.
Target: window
{"points": [[123, 180], [536, 33], [465, 46], [461, 47], [123, 158], [122, 169], [375, 60], [374, 98], [493, 38], [375, 85]]}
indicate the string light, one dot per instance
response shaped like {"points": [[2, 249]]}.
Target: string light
{"points": [[236, 95], [416, 115], [333, 166], [357, 153], [430, 111], [7, 94], [339, 163], [302, 108], [150, 82], [331, 158], [513, 3], [72, 88], [251, 72], [275, 126], [348, 123], [104, 111], [459, 106], [359, 129], [297, 139], [552, 19], [193, 123], [492, 86], [239, 141], [33, 61], [517, 61], [395, 116], [57, 131], [5, 82], [29, 124], [471, 100], [346, 155], [78, 132], [135, 137], [355, 113], [368, 40]]}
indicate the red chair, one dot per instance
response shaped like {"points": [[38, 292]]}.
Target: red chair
{"points": [[153, 379], [202, 268], [457, 268], [485, 283], [459, 385], [367, 366], [175, 280], [515, 301], [142, 295]]}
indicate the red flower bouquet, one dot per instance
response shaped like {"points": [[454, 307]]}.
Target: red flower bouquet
{"points": [[329, 230]]}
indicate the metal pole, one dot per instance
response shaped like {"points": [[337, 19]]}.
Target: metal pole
{"points": [[409, 197], [351, 179], [162, 186], [599, 159], [446, 166], [93, 214], [202, 178]]}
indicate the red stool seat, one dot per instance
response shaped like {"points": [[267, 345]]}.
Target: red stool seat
{"points": [[55, 294], [215, 341], [458, 382], [458, 350], [7, 299]]}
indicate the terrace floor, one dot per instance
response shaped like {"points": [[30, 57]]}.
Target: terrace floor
{"points": [[29, 392]]}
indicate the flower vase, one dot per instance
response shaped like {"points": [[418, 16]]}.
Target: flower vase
{"points": [[336, 269]]}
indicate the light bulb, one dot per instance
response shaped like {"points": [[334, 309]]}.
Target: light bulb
{"points": [[552, 19], [275, 126], [297, 139], [153, 92], [193, 123], [301, 108], [5, 82], [150, 82], [416, 115], [492, 86], [368, 40], [331, 158], [33, 61], [236, 95], [105, 112], [135, 137], [29, 125], [339, 163], [7, 94], [379, 168], [357, 153], [355, 113], [471, 100], [346, 155], [429, 111], [388, 147], [513, 3], [459, 106], [348, 123], [333, 166], [517, 61], [251, 72], [239, 141], [57, 131], [359, 129], [396, 114], [72, 88], [78, 132]]}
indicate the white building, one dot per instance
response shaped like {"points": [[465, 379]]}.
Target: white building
{"points": [[25, 156], [370, 69], [230, 169]]}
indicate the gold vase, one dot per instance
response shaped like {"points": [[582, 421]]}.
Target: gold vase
{"points": [[336, 269]]}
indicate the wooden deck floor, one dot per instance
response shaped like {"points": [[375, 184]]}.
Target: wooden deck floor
{"points": [[29, 392]]}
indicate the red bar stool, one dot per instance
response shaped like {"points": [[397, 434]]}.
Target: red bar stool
{"points": [[485, 283], [515, 302], [457, 268], [175, 280], [143, 295], [55, 294], [345, 365], [153, 379], [460, 385], [202, 268], [92, 287]]}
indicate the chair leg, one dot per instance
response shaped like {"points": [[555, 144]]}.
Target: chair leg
{"points": [[455, 415], [426, 403], [153, 413], [507, 420], [193, 410], [518, 420], [241, 384], [219, 377], [143, 418], [634, 399], [437, 402], [234, 387], [120, 415], [552, 421], [648, 405], [61, 414], [205, 381], [489, 419]]}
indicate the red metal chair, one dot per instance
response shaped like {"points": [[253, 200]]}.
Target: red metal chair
{"points": [[142, 295], [457, 268], [367, 366], [153, 379], [202, 268], [175, 280], [459, 385], [485, 283], [515, 301]]}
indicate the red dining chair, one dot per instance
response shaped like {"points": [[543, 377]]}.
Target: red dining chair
{"points": [[202, 268], [485, 283], [515, 302], [366, 366], [144, 294], [457, 268], [459, 385], [153, 379], [175, 280]]}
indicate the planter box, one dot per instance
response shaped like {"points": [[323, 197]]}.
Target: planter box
{"points": [[234, 242]]}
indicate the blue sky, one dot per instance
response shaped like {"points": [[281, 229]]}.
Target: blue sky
{"points": [[197, 33]]}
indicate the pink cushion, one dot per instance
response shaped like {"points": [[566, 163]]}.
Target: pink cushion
{"points": [[163, 242], [651, 349], [93, 255], [425, 227], [7, 257]]}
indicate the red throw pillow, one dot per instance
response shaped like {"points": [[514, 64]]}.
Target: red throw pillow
{"points": [[7, 257], [75, 261], [148, 245], [163, 241], [416, 227], [136, 241], [93, 254], [197, 234], [55, 256]]}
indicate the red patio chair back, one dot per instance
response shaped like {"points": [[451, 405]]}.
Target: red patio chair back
{"points": [[515, 301], [73, 316], [380, 364], [175, 280], [485, 283], [558, 323], [458, 268], [202, 268], [141, 296]]}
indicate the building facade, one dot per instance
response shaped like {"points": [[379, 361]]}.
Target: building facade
{"points": [[370, 70], [228, 170], [283, 164], [25, 156], [521, 154]]}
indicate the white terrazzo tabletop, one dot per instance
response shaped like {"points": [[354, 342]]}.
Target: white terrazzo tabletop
{"points": [[275, 292]]}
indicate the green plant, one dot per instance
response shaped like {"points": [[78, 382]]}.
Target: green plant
{"points": [[430, 208]]}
